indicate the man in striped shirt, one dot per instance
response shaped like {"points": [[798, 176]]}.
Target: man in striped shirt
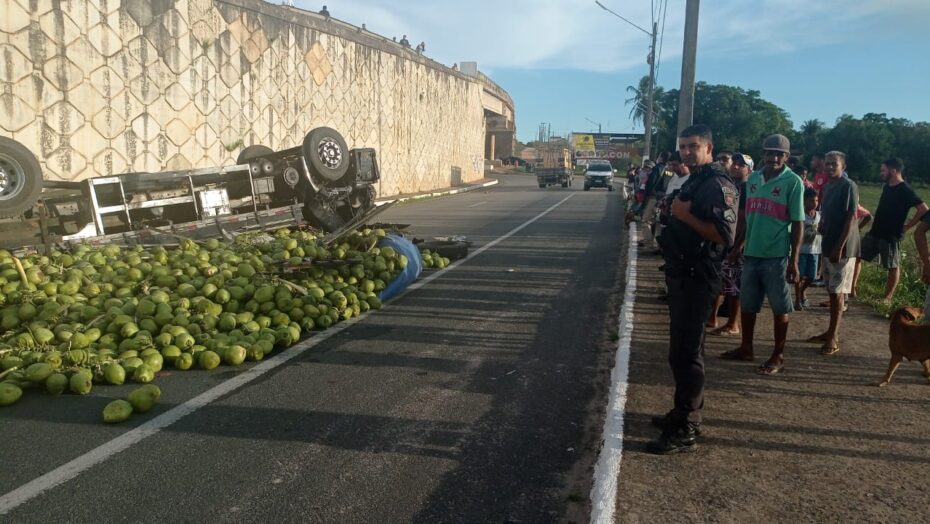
{"points": [[774, 230]]}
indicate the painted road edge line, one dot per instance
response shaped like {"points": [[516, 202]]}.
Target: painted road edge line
{"points": [[607, 468], [420, 283], [76, 466]]}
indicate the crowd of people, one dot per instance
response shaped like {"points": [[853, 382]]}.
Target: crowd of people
{"points": [[738, 234], [420, 49]]}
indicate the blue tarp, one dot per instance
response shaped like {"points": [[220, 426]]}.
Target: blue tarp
{"points": [[410, 274]]}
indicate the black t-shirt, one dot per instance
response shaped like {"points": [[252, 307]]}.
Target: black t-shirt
{"points": [[893, 207]]}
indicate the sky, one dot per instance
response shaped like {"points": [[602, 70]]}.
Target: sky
{"points": [[568, 62]]}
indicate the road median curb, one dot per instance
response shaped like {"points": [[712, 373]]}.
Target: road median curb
{"points": [[440, 193]]}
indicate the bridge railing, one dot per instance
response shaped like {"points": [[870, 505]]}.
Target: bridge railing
{"points": [[497, 90]]}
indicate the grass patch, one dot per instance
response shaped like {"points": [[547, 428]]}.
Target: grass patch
{"points": [[911, 290]]}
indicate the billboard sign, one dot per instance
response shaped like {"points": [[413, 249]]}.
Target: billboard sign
{"points": [[583, 142], [606, 145]]}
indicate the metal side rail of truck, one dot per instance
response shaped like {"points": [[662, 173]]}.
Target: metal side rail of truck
{"points": [[322, 182]]}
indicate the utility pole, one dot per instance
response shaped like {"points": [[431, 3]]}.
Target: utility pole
{"points": [[688, 66], [596, 123], [652, 91], [647, 121]]}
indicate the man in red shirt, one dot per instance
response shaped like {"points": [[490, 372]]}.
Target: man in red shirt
{"points": [[821, 178]]}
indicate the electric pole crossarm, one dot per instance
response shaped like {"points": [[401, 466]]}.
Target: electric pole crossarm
{"points": [[605, 8], [598, 124]]}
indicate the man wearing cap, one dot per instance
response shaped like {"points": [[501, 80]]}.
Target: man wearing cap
{"points": [[700, 229], [732, 268], [774, 230]]}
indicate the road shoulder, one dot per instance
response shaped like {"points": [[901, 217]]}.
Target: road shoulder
{"points": [[817, 442]]}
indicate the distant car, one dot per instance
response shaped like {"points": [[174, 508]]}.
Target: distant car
{"points": [[599, 174]]}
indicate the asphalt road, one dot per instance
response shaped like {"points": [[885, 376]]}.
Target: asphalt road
{"points": [[477, 397]]}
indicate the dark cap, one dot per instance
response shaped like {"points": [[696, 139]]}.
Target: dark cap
{"points": [[777, 143]]}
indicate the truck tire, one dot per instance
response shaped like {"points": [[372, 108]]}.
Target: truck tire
{"points": [[251, 152], [564, 184], [20, 178], [326, 153], [610, 188], [453, 250], [542, 186]]}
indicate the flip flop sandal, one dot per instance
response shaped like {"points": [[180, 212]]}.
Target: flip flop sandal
{"points": [[735, 354], [770, 369], [830, 350], [719, 332]]}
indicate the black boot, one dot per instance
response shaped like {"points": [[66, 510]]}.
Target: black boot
{"points": [[666, 421], [678, 439]]}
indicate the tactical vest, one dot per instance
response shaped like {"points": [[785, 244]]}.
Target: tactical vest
{"points": [[683, 245]]}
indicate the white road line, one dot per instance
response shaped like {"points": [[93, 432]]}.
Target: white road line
{"points": [[607, 469], [420, 283], [479, 203], [75, 467]]}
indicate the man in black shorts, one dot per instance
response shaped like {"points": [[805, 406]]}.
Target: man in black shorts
{"points": [[884, 239]]}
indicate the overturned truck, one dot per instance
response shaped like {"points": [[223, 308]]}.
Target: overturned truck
{"points": [[321, 182]]}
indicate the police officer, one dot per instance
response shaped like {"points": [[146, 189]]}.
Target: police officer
{"points": [[701, 228]]}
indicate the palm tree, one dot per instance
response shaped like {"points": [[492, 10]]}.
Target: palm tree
{"points": [[640, 99], [811, 130]]}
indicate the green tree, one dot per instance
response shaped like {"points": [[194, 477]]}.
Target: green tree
{"points": [[639, 100], [739, 118], [867, 142], [811, 136]]}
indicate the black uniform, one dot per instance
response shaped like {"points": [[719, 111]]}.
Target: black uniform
{"points": [[692, 274]]}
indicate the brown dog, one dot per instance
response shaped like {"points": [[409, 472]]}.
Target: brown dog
{"points": [[907, 340]]}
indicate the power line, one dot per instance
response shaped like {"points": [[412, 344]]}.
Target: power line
{"points": [[664, 13]]}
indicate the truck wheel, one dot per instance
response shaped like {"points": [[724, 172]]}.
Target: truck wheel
{"points": [[610, 188], [542, 186], [20, 178], [251, 152], [326, 153], [564, 184]]}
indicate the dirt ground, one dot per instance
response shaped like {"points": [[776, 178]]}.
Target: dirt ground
{"points": [[818, 442]]}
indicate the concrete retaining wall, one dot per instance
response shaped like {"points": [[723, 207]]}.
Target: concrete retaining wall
{"points": [[96, 87]]}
